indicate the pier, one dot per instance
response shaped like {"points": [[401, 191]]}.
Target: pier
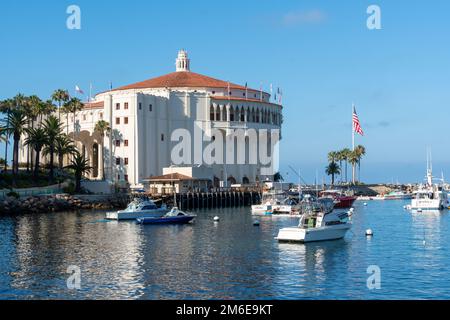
{"points": [[209, 200]]}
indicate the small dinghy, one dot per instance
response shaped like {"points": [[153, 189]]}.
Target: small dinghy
{"points": [[175, 216]]}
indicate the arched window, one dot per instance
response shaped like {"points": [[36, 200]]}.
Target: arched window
{"points": [[211, 113], [231, 180]]}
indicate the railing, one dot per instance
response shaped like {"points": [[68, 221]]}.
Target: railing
{"points": [[47, 191]]}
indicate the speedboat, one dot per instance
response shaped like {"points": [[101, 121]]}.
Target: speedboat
{"points": [[139, 208], [175, 216], [317, 226], [341, 200], [398, 195]]}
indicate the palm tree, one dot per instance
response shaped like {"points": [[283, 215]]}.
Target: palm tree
{"points": [[278, 177], [36, 139], [332, 169], [53, 129], [46, 108], [353, 160], [80, 166], [103, 128], [74, 105], [61, 96], [3, 138], [63, 146], [332, 156], [345, 156], [360, 152], [65, 109], [16, 127], [5, 107], [340, 157]]}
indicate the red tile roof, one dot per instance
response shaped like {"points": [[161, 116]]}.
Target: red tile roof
{"points": [[94, 105], [181, 80]]}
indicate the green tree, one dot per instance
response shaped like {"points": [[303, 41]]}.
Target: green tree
{"points": [[5, 107], [353, 160], [46, 108], [36, 139], [277, 177], [16, 127], [61, 96], [332, 156], [80, 166], [102, 127], [360, 153], [64, 146], [74, 105], [53, 130], [345, 155], [332, 169]]}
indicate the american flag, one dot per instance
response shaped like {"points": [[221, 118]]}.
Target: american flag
{"points": [[356, 125]]}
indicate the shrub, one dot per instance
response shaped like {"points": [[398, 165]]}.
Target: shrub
{"points": [[13, 194], [70, 189]]}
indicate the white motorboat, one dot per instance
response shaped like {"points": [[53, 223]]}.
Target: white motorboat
{"points": [[317, 226], [274, 202], [398, 195], [430, 196], [139, 208]]}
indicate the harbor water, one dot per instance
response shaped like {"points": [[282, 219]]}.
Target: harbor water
{"points": [[229, 259]]}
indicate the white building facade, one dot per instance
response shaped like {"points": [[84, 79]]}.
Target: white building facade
{"points": [[143, 117]]}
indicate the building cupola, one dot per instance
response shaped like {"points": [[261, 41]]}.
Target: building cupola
{"points": [[183, 62]]}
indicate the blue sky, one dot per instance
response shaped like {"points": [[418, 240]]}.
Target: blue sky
{"points": [[319, 52]]}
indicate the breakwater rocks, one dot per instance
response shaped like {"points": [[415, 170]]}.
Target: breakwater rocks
{"points": [[61, 202]]}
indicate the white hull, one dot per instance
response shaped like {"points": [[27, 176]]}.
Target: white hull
{"points": [[261, 209], [313, 234], [125, 215], [427, 204], [282, 208]]}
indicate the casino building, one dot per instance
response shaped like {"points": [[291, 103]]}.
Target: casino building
{"points": [[143, 116]]}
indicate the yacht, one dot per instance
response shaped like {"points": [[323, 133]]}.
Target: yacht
{"points": [[342, 200], [430, 196], [139, 208], [317, 225]]}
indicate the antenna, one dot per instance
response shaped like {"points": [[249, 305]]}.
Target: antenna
{"points": [[297, 173]]}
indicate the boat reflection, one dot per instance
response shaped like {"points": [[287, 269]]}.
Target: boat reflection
{"points": [[310, 263]]}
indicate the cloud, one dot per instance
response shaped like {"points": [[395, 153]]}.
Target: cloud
{"points": [[295, 18]]}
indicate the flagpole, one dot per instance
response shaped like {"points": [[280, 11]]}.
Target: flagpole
{"points": [[353, 129]]}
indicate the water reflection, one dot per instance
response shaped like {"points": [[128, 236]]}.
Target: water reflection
{"points": [[231, 259], [108, 254]]}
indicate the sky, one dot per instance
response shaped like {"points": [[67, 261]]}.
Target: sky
{"points": [[320, 53]]}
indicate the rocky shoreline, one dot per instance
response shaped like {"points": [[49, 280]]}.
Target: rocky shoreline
{"points": [[61, 202]]}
